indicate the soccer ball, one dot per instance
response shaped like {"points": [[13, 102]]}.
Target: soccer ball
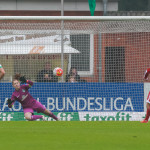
{"points": [[58, 71]]}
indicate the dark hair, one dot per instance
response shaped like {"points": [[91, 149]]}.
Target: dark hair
{"points": [[16, 77], [72, 69]]}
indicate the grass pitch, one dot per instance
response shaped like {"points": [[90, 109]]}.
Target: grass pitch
{"points": [[45, 135]]}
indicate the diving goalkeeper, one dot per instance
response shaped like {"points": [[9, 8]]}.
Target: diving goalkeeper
{"points": [[28, 103]]}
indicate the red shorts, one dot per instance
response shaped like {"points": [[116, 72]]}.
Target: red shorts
{"points": [[38, 107]]}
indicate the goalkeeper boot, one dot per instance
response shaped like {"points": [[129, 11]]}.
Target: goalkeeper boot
{"points": [[43, 118], [144, 121]]}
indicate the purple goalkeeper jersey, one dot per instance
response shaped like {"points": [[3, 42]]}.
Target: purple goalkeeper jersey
{"points": [[23, 96]]}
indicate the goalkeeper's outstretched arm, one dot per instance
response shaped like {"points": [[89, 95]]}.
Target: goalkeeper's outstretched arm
{"points": [[29, 82], [24, 80]]}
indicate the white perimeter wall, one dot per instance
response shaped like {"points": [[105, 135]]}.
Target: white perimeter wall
{"points": [[69, 5]]}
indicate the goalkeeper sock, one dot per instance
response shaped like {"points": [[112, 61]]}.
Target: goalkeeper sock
{"points": [[147, 114], [53, 116], [34, 117]]}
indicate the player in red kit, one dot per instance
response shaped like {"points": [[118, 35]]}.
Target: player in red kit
{"points": [[147, 72]]}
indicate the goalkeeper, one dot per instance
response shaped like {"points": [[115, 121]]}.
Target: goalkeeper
{"points": [[28, 103]]}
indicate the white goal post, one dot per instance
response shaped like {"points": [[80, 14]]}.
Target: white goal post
{"points": [[95, 18]]}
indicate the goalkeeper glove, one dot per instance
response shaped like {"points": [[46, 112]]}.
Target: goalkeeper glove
{"points": [[22, 79], [9, 102]]}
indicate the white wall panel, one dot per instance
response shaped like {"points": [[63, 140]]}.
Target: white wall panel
{"points": [[69, 5], [8, 5]]}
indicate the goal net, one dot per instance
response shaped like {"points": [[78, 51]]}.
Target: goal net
{"points": [[103, 61]]}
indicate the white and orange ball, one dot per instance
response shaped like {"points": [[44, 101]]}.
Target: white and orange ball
{"points": [[58, 71]]}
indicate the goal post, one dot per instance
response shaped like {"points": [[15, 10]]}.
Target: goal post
{"points": [[109, 53]]}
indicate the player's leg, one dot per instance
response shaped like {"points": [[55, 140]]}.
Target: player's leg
{"points": [[42, 109], [28, 113], [148, 110], [50, 114], [147, 114]]}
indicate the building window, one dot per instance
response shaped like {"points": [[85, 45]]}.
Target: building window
{"points": [[84, 60]]}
